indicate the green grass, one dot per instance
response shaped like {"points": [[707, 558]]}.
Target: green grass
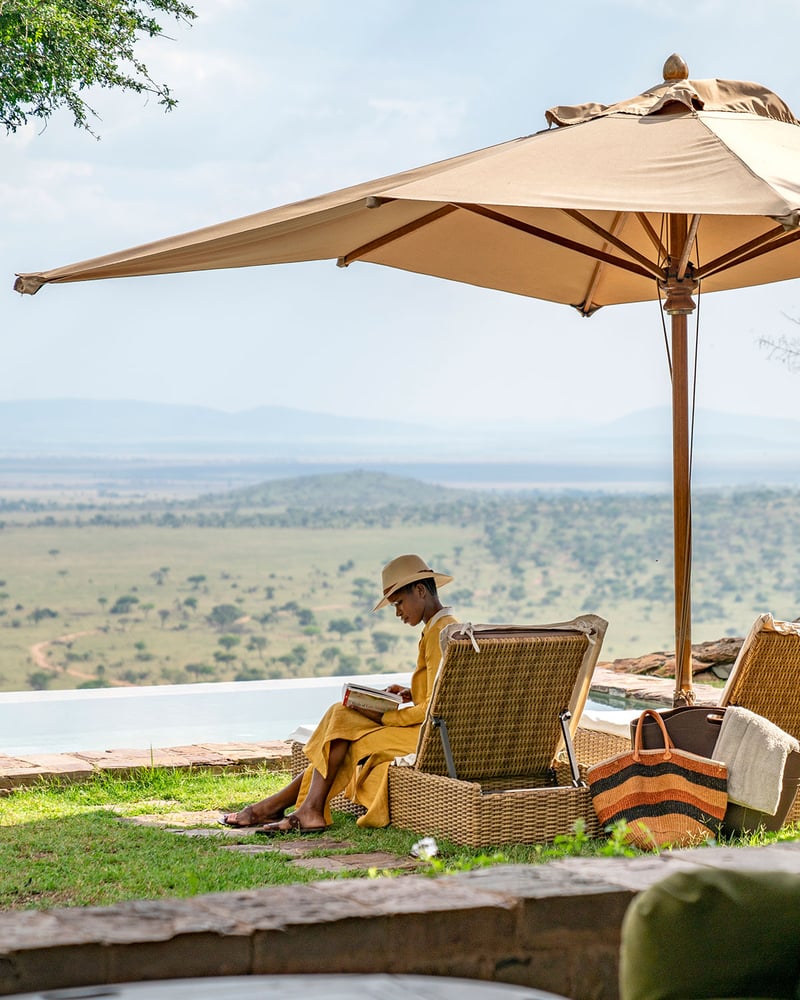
{"points": [[69, 845]]}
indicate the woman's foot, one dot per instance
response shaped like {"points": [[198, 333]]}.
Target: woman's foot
{"points": [[289, 825], [248, 817]]}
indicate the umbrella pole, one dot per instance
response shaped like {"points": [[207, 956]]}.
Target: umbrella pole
{"points": [[679, 287], [681, 513]]}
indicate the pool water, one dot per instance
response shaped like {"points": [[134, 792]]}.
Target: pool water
{"points": [[37, 722]]}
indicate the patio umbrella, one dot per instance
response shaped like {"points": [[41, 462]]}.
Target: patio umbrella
{"points": [[692, 184]]}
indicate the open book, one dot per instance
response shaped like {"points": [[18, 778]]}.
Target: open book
{"points": [[372, 699]]}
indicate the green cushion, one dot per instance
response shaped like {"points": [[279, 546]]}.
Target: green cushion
{"points": [[713, 934]]}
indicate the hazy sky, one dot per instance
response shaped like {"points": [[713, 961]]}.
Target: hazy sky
{"points": [[284, 100]]}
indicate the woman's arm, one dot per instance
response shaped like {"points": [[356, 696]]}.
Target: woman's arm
{"points": [[431, 657]]}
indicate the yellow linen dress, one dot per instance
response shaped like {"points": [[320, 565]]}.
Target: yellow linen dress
{"points": [[375, 744]]}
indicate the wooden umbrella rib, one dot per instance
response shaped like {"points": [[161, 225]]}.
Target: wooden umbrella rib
{"points": [[395, 234], [562, 241], [775, 239], [614, 240], [652, 235], [597, 273], [683, 263]]}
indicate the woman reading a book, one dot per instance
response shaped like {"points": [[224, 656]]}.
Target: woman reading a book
{"points": [[347, 737]]}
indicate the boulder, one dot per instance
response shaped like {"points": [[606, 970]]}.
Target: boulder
{"points": [[711, 661]]}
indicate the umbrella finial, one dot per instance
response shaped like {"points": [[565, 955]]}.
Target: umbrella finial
{"points": [[675, 68]]}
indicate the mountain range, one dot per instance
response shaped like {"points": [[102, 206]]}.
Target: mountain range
{"points": [[636, 446]]}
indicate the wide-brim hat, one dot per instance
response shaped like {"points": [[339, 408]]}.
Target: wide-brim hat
{"points": [[404, 570]]}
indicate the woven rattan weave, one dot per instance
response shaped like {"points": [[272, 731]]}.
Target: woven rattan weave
{"points": [[592, 746], [500, 690], [766, 679], [766, 676]]}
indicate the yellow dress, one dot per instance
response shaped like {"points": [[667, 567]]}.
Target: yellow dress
{"points": [[375, 744]]}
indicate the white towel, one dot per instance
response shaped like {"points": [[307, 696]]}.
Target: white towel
{"points": [[755, 751], [301, 735]]}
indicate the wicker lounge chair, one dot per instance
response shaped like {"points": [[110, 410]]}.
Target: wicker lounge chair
{"points": [[766, 675], [486, 771], [764, 679]]}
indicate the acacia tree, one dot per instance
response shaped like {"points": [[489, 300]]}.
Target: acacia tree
{"points": [[51, 51]]}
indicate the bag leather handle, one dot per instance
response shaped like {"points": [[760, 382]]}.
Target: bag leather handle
{"points": [[668, 744]]}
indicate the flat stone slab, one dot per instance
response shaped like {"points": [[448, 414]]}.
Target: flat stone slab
{"points": [[358, 862], [275, 752], [202, 756], [26, 769], [290, 848], [125, 759], [298, 847], [182, 819], [18, 772]]}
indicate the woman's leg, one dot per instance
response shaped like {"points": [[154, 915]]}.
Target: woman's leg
{"points": [[271, 808], [310, 814]]}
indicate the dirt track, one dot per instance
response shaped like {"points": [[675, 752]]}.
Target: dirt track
{"points": [[39, 657]]}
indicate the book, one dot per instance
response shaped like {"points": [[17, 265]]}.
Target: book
{"points": [[372, 699]]}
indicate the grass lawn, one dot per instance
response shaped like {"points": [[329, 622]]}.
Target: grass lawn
{"points": [[68, 845]]}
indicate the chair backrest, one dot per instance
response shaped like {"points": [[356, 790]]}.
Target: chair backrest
{"points": [[766, 676], [500, 690]]}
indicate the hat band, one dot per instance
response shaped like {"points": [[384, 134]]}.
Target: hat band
{"points": [[395, 586]]}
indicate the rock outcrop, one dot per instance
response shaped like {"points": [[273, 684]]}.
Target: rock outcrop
{"points": [[711, 661]]}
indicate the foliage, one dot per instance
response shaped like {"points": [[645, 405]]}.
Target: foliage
{"points": [[53, 50], [123, 604], [448, 866], [39, 614], [223, 615]]}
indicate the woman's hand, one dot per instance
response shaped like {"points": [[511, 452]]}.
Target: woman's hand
{"points": [[404, 692]]}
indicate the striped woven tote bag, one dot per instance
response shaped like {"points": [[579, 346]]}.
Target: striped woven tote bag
{"points": [[667, 797]]}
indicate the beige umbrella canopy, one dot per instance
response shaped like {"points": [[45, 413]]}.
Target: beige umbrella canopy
{"points": [[692, 184]]}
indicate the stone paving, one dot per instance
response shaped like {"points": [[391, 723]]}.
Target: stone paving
{"points": [[27, 769], [306, 851]]}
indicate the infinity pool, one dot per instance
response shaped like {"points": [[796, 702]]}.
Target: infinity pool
{"points": [[171, 715]]}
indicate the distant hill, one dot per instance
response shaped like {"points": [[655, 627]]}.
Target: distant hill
{"points": [[357, 489], [728, 448], [72, 423]]}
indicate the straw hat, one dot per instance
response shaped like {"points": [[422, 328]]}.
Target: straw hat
{"points": [[404, 570]]}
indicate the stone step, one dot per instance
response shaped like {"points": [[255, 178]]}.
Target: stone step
{"points": [[28, 769]]}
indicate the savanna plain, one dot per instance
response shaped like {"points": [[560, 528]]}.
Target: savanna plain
{"points": [[278, 580]]}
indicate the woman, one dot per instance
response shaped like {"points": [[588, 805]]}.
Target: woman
{"points": [[348, 736]]}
